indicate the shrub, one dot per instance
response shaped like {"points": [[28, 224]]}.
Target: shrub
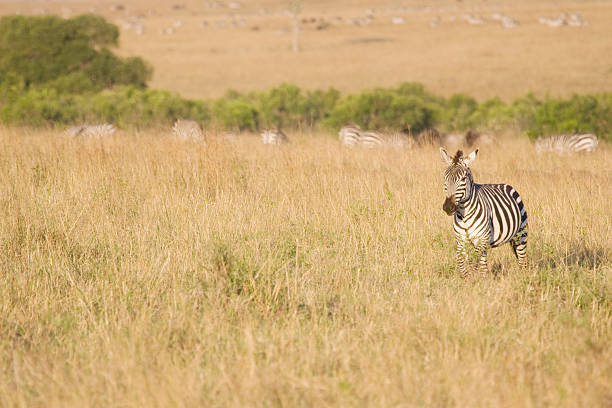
{"points": [[380, 108], [458, 112], [579, 114], [236, 113], [43, 50]]}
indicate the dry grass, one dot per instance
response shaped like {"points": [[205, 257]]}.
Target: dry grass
{"points": [[139, 271], [484, 61]]}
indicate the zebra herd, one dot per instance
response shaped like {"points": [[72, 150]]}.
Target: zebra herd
{"points": [[354, 136]]}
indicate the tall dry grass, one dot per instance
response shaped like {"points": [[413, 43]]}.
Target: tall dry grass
{"points": [[139, 271]]}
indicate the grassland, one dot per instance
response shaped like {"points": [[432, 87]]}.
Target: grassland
{"points": [[483, 61], [139, 271]]}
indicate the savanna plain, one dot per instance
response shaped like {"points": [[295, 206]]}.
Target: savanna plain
{"points": [[139, 270]]}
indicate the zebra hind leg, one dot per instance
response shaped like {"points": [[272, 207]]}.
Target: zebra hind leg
{"points": [[519, 246]]}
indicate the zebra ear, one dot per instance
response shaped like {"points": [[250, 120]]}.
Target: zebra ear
{"points": [[445, 156], [468, 160]]}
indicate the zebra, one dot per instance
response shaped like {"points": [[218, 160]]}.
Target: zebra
{"points": [[567, 143], [370, 139], [429, 136], [91, 131], [349, 135], [399, 140], [487, 215], [274, 137], [473, 137], [187, 129]]}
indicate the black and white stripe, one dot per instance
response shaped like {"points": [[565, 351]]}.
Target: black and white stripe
{"points": [[185, 129], [91, 131], [349, 135], [370, 139], [274, 137], [486, 215], [353, 136], [567, 144]]}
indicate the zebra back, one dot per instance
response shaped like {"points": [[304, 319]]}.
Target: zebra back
{"points": [[349, 135], [567, 144], [430, 136], [274, 137], [187, 129], [398, 140], [370, 139], [91, 131]]}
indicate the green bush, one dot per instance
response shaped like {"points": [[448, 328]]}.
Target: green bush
{"points": [[578, 114], [41, 107], [123, 106], [44, 50], [458, 112], [381, 108], [236, 113]]}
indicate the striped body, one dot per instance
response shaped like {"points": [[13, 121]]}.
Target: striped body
{"points": [[370, 139], [274, 137], [567, 144], [485, 215], [398, 140], [349, 135], [91, 131], [353, 136], [187, 130]]}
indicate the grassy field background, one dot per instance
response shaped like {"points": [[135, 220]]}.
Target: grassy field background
{"points": [[484, 61], [140, 271]]}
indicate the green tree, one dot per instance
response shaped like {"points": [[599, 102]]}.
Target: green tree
{"points": [[68, 55]]}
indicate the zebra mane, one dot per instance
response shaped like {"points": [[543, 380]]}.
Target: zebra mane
{"points": [[458, 157]]}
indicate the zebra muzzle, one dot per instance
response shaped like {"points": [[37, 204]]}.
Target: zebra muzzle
{"points": [[449, 205]]}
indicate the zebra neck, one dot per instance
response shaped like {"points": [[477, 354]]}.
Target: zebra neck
{"points": [[466, 208]]}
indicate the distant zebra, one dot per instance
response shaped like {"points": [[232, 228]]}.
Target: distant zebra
{"points": [[370, 139], [274, 137], [91, 131], [566, 144], [429, 136], [473, 137], [487, 215], [399, 140], [349, 135], [187, 130]]}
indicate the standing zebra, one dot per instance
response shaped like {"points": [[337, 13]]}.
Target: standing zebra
{"points": [[91, 131], [274, 137], [187, 130], [349, 135], [567, 143], [487, 215]]}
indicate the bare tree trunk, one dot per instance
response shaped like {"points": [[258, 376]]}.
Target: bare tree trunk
{"points": [[296, 34], [295, 7]]}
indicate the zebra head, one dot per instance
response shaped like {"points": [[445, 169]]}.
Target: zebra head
{"points": [[458, 179]]}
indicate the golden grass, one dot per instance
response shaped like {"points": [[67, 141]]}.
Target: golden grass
{"points": [[139, 271], [483, 61]]}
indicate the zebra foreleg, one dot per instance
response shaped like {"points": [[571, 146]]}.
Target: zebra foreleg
{"points": [[482, 263], [461, 255]]}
